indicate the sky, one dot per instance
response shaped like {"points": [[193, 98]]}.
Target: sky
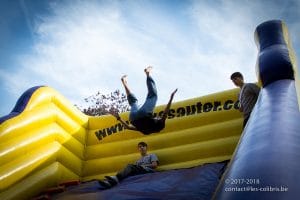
{"points": [[80, 47]]}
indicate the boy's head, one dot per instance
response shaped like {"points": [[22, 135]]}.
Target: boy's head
{"points": [[237, 79], [142, 146], [236, 75]]}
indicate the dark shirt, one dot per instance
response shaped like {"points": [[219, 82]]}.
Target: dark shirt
{"points": [[248, 97], [148, 125]]}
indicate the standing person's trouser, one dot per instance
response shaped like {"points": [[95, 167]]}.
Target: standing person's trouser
{"points": [[149, 105], [246, 118]]}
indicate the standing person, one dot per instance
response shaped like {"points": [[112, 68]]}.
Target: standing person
{"points": [[247, 96], [142, 119], [146, 164]]}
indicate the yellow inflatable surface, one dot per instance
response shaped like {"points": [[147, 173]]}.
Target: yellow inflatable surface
{"points": [[52, 141]]}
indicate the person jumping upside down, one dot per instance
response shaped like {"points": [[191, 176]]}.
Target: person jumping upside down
{"points": [[141, 118]]}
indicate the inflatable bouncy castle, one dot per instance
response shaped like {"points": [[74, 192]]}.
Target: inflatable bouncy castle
{"points": [[45, 141]]}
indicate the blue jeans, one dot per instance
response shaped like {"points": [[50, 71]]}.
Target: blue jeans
{"points": [[131, 170], [147, 108]]}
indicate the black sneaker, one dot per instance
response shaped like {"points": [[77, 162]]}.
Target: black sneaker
{"points": [[106, 184], [111, 180]]}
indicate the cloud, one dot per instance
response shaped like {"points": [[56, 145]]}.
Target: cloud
{"points": [[85, 46]]}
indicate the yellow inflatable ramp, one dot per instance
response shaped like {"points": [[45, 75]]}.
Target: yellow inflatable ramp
{"points": [[46, 140]]}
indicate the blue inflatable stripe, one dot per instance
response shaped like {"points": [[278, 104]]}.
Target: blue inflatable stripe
{"points": [[21, 104], [266, 163], [192, 183]]}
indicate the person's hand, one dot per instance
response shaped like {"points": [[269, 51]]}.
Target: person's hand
{"points": [[116, 115], [174, 92], [240, 106]]}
